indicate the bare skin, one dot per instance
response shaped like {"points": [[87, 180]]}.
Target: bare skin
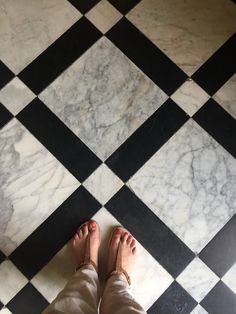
{"points": [[79, 242], [128, 250]]}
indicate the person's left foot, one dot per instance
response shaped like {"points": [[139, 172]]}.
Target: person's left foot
{"points": [[79, 243]]}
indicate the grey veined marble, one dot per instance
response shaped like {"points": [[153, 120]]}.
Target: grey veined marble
{"points": [[33, 183], [190, 183], [103, 98]]}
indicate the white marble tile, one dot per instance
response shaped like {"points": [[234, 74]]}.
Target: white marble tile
{"points": [[28, 28], [16, 95], [190, 97], [230, 278], [103, 184], [5, 311], [101, 97], [190, 183], [104, 16], [54, 276], [13, 280], [33, 183], [199, 310], [189, 32], [149, 279], [197, 279], [226, 96]]}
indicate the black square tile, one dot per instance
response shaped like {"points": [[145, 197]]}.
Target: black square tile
{"points": [[59, 139], [217, 69], [124, 6], [220, 300], [37, 250], [175, 300], [148, 57], [27, 301], [61, 54], [1, 305], [5, 74], [146, 140], [219, 124], [150, 231], [5, 116], [220, 253], [84, 5]]}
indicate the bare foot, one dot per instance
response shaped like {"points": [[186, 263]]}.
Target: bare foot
{"points": [[79, 243], [128, 250]]}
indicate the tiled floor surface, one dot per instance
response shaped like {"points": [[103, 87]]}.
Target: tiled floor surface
{"points": [[123, 111]]}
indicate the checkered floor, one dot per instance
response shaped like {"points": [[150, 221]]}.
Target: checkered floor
{"points": [[123, 111]]}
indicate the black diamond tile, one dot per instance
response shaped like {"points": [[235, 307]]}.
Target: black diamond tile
{"points": [[220, 252], [146, 140], [218, 69], [148, 57], [61, 54], [36, 251], [5, 74], [220, 300], [124, 6], [2, 257], [58, 139], [27, 301], [1, 305], [84, 5], [175, 300], [150, 231], [219, 124], [5, 116]]}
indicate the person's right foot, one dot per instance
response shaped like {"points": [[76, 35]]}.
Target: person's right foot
{"points": [[128, 250]]}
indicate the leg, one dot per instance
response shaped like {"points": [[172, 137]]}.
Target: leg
{"points": [[117, 298], [81, 295]]}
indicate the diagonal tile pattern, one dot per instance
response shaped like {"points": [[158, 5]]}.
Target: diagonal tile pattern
{"points": [[124, 112]]}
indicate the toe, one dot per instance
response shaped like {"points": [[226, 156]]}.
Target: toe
{"points": [[134, 250], [85, 230], [80, 232], [132, 243], [116, 236], [92, 225], [125, 236], [129, 239]]}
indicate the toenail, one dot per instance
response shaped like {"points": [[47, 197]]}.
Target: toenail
{"points": [[93, 224]]}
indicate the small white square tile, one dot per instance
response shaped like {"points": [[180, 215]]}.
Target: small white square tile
{"points": [[13, 280], [104, 16], [16, 95], [54, 276], [190, 97], [5, 311], [103, 184], [149, 279], [199, 310], [230, 278], [226, 96], [197, 279]]}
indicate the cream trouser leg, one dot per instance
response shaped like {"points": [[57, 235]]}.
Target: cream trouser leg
{"points": [[81, 296], [117, 298]]}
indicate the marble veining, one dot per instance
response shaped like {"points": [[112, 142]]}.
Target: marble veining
{"points": [[33, 183], [197, 279], [103, 97], [28, 27], [199, 310], [16, 95], [104, 16], [103, 184], [190, 97], [189, 32], [190, 183], [226, 96]]}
